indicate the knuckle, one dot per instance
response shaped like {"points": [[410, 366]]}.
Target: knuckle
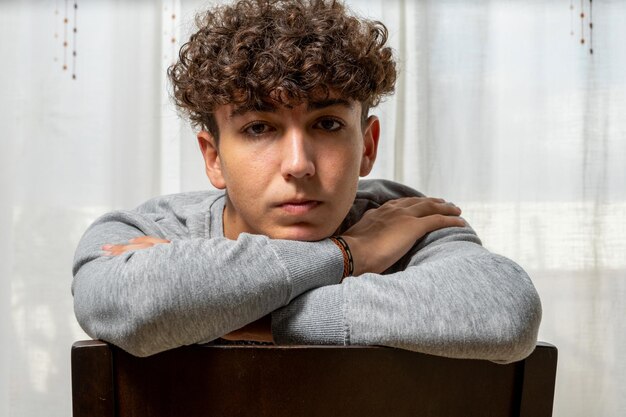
{"points": [[441, 219], [429, 205]]}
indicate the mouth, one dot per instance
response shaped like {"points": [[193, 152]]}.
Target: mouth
{"points": [[299, 206]]}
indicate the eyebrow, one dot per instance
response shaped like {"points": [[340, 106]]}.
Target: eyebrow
{"points": [[271, 108], [263, 108]]}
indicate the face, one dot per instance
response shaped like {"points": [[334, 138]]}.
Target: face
{"points": [[290, 172]]}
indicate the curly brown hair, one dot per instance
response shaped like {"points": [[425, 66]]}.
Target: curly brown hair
{"points": [[259, 52]]}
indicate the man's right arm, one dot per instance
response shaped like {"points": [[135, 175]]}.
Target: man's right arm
{"points": [[189, 290], [453, 298]]}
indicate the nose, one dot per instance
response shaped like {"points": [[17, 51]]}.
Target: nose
{"points": [[297, 158]]}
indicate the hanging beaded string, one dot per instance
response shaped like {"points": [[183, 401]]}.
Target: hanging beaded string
{"points": [[165, 33], [65, 23], [173, 31], [65, 44], [56, 28], [571, 17], [75, 31], [591, 27], [171, 36], [582, 22]]}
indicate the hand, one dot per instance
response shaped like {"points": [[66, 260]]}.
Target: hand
{"points": [[141, 242], [385, 234], [260, 331]]}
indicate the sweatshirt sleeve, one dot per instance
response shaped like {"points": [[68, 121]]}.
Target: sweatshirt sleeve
{"points": [[453, 298], [190, 290]]}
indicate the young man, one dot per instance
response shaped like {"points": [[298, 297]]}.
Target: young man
{"points": [[295, 249]]}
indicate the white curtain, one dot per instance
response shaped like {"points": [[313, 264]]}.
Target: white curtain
{"points": [[498, 108]]}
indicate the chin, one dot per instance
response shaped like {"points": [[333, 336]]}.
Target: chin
{"points": [[305, 233]]}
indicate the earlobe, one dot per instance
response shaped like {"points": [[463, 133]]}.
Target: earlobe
{"points": [[212, 162], [371, 135]]}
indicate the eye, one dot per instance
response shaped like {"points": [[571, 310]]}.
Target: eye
{"points": [[329, 125], [257, 129]]}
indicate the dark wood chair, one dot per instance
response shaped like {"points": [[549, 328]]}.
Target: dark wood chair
{"points": [[299, 381]]}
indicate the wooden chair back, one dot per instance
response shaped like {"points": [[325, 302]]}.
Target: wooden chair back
{"points": [[300, 381]]}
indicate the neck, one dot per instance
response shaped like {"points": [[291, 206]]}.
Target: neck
{"points": [[232, 228]]}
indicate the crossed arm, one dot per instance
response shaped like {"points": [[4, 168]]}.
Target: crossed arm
{"points": [[452, 298], [394, 227], [259, 330]]}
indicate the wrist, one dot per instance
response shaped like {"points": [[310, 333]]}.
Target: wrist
{"points": [[349, 244], [348, 263]]}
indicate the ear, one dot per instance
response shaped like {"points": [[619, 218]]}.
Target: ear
{"points": [[371, 134], [212, 163]]}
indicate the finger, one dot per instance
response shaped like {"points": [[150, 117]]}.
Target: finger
{"points": [[126, 248], [115, 250], [140, 239], [439, 221], [148, 239], [431, 207]]}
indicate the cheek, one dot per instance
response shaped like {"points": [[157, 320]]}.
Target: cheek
{"points": [[344, 162], [245, 177], [339, 176]]}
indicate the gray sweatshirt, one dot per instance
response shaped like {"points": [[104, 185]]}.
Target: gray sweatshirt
{"points": [[448, 296]]}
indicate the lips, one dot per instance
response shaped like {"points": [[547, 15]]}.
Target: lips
{"points": [[299, 206]]}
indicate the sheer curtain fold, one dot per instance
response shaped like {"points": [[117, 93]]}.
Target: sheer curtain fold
{"points": [[497, 108], [6, 263]]}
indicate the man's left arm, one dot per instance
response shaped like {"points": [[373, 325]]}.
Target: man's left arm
{"points": [[455, 299]]}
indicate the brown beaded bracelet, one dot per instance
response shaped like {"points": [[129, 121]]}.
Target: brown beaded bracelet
{"points": [[348, 262]]}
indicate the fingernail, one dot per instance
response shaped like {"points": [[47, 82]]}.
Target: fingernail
{"points": [[106, 247]]}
